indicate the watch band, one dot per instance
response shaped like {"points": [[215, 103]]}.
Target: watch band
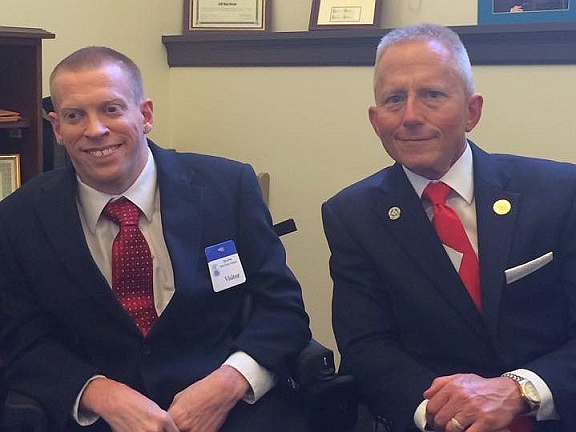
{"points": [[532, 401]]}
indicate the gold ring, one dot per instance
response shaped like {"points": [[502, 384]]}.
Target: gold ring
{"points": [[457, 424]]}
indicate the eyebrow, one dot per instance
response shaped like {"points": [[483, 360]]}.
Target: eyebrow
{"points": [[115, 101], [70, 108]]}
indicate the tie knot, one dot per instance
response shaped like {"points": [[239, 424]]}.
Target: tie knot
{"points": [[436, 193], [123, 212]]}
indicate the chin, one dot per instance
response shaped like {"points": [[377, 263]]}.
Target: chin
{"points": [[424, 171]]}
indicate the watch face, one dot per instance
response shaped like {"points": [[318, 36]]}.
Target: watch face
{"points": [[531, 392]]}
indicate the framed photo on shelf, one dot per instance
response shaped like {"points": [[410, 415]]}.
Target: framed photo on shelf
{"points": [[525, 11], [227, 15], [340, 14], [9, 174]]}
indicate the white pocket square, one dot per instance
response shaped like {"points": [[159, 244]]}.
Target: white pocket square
{"points": [[515, 273]]}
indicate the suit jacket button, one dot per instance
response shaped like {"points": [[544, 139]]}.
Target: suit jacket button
{"points": [[146, 350]]}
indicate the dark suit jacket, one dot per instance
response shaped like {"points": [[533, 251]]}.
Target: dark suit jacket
{"points": [[65, 325], [401, 314]]}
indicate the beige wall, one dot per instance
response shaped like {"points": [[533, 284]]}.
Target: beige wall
{"points": [[307, 127], [131, 26]]}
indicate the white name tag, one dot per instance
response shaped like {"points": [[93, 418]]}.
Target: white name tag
{"points": [[224, 265]]}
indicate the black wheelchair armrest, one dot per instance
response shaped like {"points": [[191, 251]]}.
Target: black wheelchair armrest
{"points": [[329, 400], [314, 363], [22, 413]]}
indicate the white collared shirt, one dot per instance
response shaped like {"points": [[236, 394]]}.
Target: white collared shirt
{"points": [[460, 177], [100, 232]]}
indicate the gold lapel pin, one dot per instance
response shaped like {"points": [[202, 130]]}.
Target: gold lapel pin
{"points": [[502, 207], [394, 213]]}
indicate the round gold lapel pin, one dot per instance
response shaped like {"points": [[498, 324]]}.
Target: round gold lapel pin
{"points": [[502, 207], [394, 213]]}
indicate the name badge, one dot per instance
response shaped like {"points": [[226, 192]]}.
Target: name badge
{"points": [[224, 265]]}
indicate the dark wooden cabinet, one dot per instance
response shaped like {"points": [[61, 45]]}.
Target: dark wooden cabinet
{"points": [[21, 90]]}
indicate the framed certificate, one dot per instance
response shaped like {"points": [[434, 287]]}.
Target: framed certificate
{"points": [[252, 15], [9, 174], [331, 14]]}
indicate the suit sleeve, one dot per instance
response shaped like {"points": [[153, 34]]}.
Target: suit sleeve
{"points": [[558, 367], [32, 338], [277, 328], [391, 381]]}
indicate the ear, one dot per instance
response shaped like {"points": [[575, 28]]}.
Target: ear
{"points": [[55, 122], [475, 103], [373, 116], [147, 111]]}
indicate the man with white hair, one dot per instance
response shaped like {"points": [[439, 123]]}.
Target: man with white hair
{"points": [[454, 270]]}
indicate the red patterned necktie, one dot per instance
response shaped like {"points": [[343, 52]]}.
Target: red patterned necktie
{"points": [[131, 265], [452, 234]]}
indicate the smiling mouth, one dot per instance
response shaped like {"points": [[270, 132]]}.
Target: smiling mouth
{"points": [[412, 139], [104, 152]]}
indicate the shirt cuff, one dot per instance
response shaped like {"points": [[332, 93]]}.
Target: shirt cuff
{"points": [[261, 380], [547, 410], [83, 418], [420, 416]]}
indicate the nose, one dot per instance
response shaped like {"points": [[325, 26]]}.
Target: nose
{"points": [[412, 113], [95, 128]]}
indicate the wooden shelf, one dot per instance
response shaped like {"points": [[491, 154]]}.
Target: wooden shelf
{"points": [[503, 44], [23, 123], [21, 91], [25, 33]]}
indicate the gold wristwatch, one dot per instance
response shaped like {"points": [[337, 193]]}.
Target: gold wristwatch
{"points": [[528, 391]]}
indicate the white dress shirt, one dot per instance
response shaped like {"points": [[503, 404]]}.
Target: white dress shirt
{"points": [[100, 233], [460, 178]]}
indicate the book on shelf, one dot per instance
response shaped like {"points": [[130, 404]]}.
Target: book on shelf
{"points": [[7, 116]]}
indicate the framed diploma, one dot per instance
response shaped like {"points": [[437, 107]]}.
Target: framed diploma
{"points": [[9, 174], [227, 15], [331, 14]]}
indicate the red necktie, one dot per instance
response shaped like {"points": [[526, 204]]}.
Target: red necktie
{"points": [[132, 265], [452, 234], [522, 424]]}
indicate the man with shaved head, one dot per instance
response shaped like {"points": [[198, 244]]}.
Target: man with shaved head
{"points": [[123, 276]]}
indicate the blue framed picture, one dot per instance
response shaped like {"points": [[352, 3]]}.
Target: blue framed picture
{"points": [[525, 11]]}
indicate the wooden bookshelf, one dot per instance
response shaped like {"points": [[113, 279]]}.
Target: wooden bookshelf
{"points": [[21, 90]]}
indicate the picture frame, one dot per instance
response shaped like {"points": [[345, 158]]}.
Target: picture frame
{"points": [[345, 14], [525, 11], [227, 15], [9, 174]]}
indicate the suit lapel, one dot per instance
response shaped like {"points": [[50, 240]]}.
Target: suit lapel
{"points": [[495, 232], [417, 237], [56, 209], [182, 208]]}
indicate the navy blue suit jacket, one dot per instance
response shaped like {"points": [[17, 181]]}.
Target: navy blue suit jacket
{"points": [[401, 314], [63, 324]]}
